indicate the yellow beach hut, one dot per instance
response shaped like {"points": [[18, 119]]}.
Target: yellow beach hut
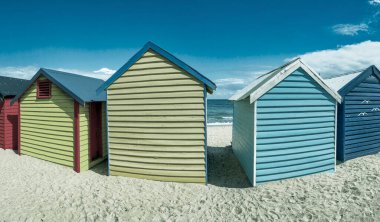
{"points": [[156, 108]]}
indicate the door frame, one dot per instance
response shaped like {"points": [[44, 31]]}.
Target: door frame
{"points": [[95, 110]]}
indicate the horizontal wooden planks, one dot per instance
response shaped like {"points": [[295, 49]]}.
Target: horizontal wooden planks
{"points": [[362, 119], [156, 122], [242, 135], [47, 126], [84, 137], [295, 130]]}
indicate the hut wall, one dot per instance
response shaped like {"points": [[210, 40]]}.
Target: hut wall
{"points": [[295, 130], [242, 135], [156, 123], [2, 114], [10, 123], [361, 120], [47, 126], [84, 137]]}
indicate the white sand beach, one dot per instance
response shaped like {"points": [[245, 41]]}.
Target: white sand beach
{"points": [[35, 190]]}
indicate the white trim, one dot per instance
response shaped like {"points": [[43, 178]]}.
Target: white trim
{"points": [[257, 83], [205, 129], [262, 85], [273, 81], [321, 82], [254, 141], [336, 118]]}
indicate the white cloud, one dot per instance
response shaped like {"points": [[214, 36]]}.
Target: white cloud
{"points": [[226, 87], [350, 29], [344, 59], [230, 81], [106, 71], [18, 72], [27, 72], [374, 2], [368, 24], [103, 73]]}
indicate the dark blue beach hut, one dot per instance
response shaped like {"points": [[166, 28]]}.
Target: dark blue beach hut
{"points": [[358, 114]]}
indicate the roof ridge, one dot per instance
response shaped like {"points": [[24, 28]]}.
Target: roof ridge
{"points": [[280, 67], [346, 73], [73, 74], [150, 43], [1, 76]]}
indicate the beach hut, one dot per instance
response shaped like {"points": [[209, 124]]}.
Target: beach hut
{"points": [[62, 119], [156, 106], [358, 114], [9, 88], [284, 124]]}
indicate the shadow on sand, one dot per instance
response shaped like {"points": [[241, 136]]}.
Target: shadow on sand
{"points": [[100, 168], [224, 169]]}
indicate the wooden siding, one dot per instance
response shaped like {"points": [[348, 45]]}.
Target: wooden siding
{"points": [[84, 137], [10, 124], [156, 123], [242, 135], [47, 126], [362, 120], [2, 117], [295, 130]]}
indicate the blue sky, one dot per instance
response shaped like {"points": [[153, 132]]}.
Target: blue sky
{"points": [[231, 42]]}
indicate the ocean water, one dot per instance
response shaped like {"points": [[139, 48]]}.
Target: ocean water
{"points": [[219, 112]]}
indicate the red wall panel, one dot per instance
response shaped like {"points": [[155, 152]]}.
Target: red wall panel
{"points": [[2, 124], [9, 124]]}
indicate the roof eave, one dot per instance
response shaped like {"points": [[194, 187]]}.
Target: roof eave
{"points": [[150, 45], [286, 71], [357, 80], [52, 79]]}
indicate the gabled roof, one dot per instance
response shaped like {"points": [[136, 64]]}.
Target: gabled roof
{"points": [[269, 80], [81, 88], [345, 83], [11, 86], [151, 46]]}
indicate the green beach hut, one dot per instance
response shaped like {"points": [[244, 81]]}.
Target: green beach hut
{"points": [[156, 107], [62, 119]]}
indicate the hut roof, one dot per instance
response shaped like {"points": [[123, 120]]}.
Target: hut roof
{"points": [[10, 86], [151, 46], [81, 88], [343, 83], [266, 82]]}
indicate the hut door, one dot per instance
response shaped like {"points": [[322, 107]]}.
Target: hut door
{"points": [[96, 148]]}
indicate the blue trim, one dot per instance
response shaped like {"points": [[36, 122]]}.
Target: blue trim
{"points": [[358, 79], [151, 46], [108, 145], [206, 147], [52, 79]]}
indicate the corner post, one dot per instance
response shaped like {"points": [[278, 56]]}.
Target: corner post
{"points": [[19, 128], [76, 138], [254, 141], [107, 138], [205, 128]]}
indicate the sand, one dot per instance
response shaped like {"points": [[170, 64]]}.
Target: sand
{"points": [[35, 190]]}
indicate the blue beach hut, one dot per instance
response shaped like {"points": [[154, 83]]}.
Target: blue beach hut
{"points": [[284, 124], [358, 114]]}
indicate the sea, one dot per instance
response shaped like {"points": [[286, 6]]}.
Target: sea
{"points": [[219, 112]]}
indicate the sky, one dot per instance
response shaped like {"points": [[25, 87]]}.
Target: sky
{"points": [[230, 42]]}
